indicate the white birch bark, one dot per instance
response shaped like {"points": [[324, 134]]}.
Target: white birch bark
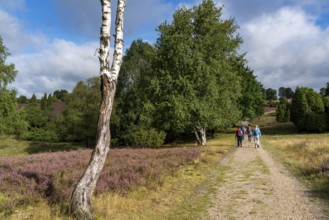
{"points": [[200, 134], [81, 197]]}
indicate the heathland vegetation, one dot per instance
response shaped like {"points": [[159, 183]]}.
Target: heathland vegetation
{"points": [[191, 82]]}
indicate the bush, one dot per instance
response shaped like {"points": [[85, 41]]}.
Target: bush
{"points": [[316, 122], [143, 137], [40, 134], [283, 111]]}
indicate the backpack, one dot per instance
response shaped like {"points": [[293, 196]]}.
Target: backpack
{"points": [[239, 133]]}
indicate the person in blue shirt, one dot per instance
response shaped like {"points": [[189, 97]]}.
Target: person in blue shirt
{"points": [[243, 129], [257, 134]]}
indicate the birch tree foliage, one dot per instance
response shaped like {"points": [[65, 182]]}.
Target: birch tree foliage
{"points": [[10, 120], [251, 101], [7, 71], [195, 84]]}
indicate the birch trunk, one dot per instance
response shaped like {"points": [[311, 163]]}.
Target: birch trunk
{"points": [[81, 196], [200, 134]]}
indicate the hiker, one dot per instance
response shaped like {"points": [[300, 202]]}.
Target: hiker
{"points": [[257, 134], [243, 129], [238, 136], [249, 132]]}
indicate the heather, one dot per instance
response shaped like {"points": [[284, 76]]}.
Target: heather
{"points": [[51, 176]]}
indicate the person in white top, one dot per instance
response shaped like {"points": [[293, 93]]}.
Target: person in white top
{"points": [[257, 134]]}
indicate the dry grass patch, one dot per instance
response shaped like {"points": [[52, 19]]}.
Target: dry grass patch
{"points": [[306, 155]]}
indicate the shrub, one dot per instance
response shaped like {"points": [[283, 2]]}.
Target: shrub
{"points": [[316, 122], [282, 111], [40, 134], [144, 137]]}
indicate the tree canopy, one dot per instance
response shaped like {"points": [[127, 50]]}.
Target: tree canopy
{"points": [[10, 120], [7, 71], [195, 86]]}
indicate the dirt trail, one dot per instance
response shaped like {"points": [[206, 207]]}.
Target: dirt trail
{"points": [[257, 187]]}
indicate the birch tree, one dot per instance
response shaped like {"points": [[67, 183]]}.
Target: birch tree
{"points": [[81, 197], [196, 87]]}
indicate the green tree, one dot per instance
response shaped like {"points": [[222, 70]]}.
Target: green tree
{"points": [[22, 99], [43, 102], [282, 92], [326, 104], [325, 90], [132, 116], [299, 107], [289, 93], [314, 101], [79, 120], [251, 101], [7, 71], [271, 94], [10, 120], [60, 94], [195, 87], [307, 109], [33, 100], [283, 111]]}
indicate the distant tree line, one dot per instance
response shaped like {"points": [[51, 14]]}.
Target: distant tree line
{"points": [[308, 110], [192, 80]]}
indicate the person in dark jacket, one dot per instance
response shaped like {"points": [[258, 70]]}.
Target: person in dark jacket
{"points": [[238, 136]]}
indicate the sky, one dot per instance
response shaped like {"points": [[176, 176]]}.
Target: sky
{"points": [[53, 43]]}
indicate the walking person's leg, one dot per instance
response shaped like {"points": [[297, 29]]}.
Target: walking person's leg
{"points": [[255, 141]]}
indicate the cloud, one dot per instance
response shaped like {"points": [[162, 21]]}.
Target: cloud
{"points": [[48, 63], [59, 65], [43, 64], [285, 45], [287, 48], [16, 38]]}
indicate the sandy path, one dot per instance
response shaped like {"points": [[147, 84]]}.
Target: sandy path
{"points": [[257, 187]]}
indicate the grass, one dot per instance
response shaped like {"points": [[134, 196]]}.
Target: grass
{"points": [[262, 166], [10, 146], [306, 155], [184, 193]]}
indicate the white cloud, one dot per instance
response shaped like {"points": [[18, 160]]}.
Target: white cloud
{"points": [[59, 65], [284, 46], [15, 37], [287, 48]]}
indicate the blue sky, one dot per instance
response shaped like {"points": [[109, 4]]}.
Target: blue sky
{"points": [[53, 42]]}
